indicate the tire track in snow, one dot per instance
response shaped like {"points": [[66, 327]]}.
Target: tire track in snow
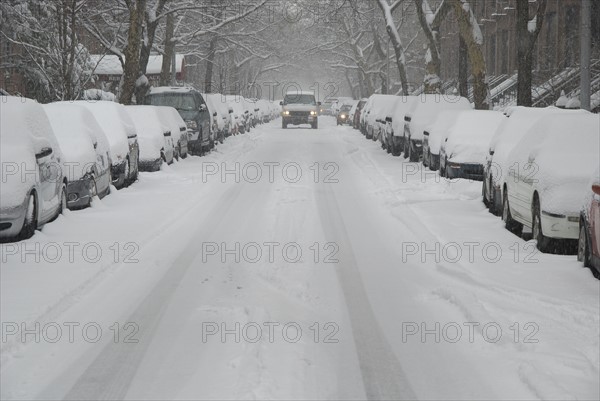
{"points": [[382, 373], [110, 374]]}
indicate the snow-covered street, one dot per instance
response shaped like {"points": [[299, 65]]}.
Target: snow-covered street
{"points": [[294, 264]]}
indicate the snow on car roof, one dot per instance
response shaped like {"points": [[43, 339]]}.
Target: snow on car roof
{"points": [[295, 93], [171, 89]]}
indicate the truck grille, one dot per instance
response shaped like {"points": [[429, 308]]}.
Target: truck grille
{"points": [[299, 113]]}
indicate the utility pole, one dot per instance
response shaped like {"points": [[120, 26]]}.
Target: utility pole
{"points": [[586, 46]]}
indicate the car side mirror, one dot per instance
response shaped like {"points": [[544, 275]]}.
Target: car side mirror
{"points": [[281, 103], [230, 111], [202, 107], [215, 114], [596, 189], [95, 145], [45, 152], [388, 119], [492, 152], [425, 133], [318, 103], [167, 133]]}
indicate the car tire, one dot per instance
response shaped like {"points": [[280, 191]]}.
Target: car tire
{"points": [[583, 247], [543, 242], [283, 125], [509, 223], [315, 125], [30, 221]]}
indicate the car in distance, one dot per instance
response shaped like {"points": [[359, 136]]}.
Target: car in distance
{"points": [[300, 107], [191, 106], [588, 250], [34, 189], [343, 117]]}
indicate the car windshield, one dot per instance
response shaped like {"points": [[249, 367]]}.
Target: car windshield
{"points": [[346, 108], [299, 99], [179, 101]]}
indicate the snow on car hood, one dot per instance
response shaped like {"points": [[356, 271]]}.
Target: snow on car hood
{"points": [[115, 123], [470, 135], [438, 130], [299, 107], [426, 107]]}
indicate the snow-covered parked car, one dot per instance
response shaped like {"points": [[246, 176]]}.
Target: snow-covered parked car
{"points": [[422, 112], [236, 108], [220, 118], [462, 153], [395, 124], [433, 137], [588, 250], [549, 173], [154, 137], [356, 113], [122, 138], [511, 131], [33, 188], [171, 118], [86, 152], [363, 116], [191, 106], [380, 106]]}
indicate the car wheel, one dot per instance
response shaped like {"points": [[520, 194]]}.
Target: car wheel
{"points": [[283, 125], [509, 223], [315, 125], [583, 249], [543, 242], [30, 222]]}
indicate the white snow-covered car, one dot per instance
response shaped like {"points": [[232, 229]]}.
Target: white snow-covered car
{"points": [[234, 103], [395, 124], [462, 153], [172, 119], [33, 190], [154, 137], [375, 122], [423, 111], [588, 249], [86, 152], [220, 118], [549, 173], [122, 138], [433, 137], [511, 131]]}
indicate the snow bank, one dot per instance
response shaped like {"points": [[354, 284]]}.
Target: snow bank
{"points": [[75, 129], [470, 135], [564, 150], [151, 131], [116, 125]]}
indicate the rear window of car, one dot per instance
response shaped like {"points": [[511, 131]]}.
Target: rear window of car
{"points": [[179, 101]]}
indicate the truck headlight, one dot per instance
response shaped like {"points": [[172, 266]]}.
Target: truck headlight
{"points": [[343, 116], [313, 113], [286, 112], [191, 124]]}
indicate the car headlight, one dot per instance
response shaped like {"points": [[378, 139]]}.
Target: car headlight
{"points": [[191, 124], [286, 112], [313, 113], [343, 116]]}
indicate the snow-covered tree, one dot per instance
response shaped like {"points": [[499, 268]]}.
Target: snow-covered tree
{"points": [[55, 64]]}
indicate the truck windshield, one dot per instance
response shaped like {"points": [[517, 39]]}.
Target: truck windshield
{"points": [[299, 99]]}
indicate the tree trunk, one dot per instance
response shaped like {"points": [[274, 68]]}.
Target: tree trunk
{"points": [[169, 45], [433, 65], [525, 46], [131, 70], [392, 31], [463, 68], [210, 59], [469, 31]]}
